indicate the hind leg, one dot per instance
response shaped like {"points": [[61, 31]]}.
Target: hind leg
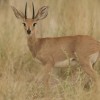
{"points": [[93, 59], [87, 67]]}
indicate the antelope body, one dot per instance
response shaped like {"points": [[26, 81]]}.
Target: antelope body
{"points": [[51, 51]]}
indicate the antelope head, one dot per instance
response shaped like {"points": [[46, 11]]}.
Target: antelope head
{"points": [[30, 23]]}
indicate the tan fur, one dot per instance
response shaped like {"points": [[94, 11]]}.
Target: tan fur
{"points": [[52, 51]]}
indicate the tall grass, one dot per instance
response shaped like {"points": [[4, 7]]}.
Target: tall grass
{"points": [[17, 67]]}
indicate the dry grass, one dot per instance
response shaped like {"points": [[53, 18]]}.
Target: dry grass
{"points": [[17, 67]]}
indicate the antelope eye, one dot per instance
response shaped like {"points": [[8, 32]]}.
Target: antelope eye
{"points": [[34, 24], [24, 24]]}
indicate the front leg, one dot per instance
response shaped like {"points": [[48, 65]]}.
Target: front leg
{"points": [[44, 74]]}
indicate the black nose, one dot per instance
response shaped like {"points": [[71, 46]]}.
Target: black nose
{"points": [[28, 31]]}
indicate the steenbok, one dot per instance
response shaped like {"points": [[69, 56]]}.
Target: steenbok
{"points": [[51, 52]]}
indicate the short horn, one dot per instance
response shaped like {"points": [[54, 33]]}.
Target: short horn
{"points": [[33, 11], [26, 11]]}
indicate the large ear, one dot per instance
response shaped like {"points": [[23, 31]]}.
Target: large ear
{"points": [[17, 13], [42, 13]]}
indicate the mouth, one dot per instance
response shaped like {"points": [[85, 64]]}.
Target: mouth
{"points": [[28, 33]]}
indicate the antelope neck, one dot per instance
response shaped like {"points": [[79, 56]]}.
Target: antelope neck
{"points": [[33, 44]]}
